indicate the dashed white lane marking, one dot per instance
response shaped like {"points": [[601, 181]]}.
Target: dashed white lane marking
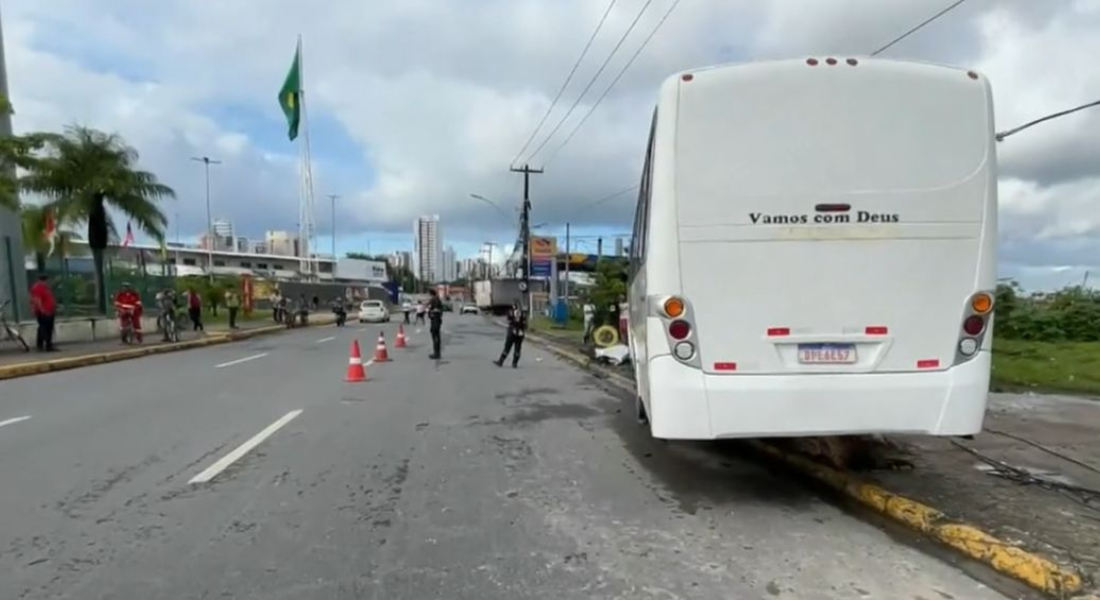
{"points": [[323, 340], [14, 421], [213, 470], [240, 360]]}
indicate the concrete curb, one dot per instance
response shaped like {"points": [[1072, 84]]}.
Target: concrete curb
{"points": [[1037, 572], [75, 362]]}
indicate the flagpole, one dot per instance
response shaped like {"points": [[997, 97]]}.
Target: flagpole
{"points": [[306, 228]]}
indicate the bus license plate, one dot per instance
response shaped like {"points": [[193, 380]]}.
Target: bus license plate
{"points": [[827, 354]]}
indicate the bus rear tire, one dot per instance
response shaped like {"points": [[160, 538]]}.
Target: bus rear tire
{"points": [[639, 410]]}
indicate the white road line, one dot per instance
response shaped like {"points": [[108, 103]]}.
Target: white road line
{"points": [[240, 360], [323, 340], [213, 470], [14, 421]]}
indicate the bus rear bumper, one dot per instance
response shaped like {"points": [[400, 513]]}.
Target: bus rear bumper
{"points": [[685, 403]]}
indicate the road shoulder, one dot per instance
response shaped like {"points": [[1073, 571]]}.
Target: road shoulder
{"points": [[953, 503]]}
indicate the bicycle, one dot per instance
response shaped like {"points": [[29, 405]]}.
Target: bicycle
{"points": [[169, 324], [127, 332], [11, 333]]}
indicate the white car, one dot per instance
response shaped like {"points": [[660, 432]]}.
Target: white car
{"points": [[373, 311], [470, 309]]}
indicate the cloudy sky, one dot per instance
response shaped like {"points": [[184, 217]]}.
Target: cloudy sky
{"points": [[414, 104]]}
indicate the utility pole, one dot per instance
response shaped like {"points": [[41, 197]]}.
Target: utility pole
{"points": [[207, 161], [333, 197], [525, 227], [599, 250], [565, 285]]}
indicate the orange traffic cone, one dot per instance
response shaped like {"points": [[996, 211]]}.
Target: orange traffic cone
{"points": [[356, 371], [380, 354], [399, 341]]}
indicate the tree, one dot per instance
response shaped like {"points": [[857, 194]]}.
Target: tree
{"points": [[83, 173], [609, 285]]}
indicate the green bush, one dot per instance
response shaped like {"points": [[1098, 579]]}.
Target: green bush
{"points": [[1068, 315]]}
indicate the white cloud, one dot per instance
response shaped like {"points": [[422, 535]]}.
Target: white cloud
{"points": [[437, 97]]}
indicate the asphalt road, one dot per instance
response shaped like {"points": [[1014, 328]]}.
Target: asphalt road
{"points": [[452, 480]]}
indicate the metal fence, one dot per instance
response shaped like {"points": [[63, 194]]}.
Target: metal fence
{"points": [[75, 291]]}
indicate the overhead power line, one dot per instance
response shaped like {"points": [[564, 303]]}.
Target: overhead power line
{"points": [[901, 37], [599, 201], [619, 76], [591, 81], [1001, 136], [565, 83]]}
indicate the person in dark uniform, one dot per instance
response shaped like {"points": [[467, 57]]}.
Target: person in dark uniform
{"points": [[517, 329], [435, 316]]}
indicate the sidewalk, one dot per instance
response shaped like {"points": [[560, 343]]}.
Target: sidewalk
{"points": [[10, 355], [1031, 480]]}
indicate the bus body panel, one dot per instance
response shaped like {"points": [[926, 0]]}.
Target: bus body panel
{"points": [[909, 149], [688, 404]]}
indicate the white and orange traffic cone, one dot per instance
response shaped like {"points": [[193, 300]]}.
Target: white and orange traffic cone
{"points": [[356, 371], [380, 353], [399, 341]]}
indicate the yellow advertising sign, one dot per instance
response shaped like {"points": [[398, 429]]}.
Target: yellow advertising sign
{"points": [[544, 247]]}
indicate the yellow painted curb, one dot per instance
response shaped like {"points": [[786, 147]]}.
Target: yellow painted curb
{"points": [[1037, 572], [75, 362]]}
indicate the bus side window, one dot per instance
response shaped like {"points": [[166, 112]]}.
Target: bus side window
{"points": [[641, 213]]}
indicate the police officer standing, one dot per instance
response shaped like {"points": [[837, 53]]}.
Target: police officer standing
{"points": [[435, 315], [517, 329]]}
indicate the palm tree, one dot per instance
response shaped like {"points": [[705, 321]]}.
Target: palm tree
{"points": [[83, 173]]}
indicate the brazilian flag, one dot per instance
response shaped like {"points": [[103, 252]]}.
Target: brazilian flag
{"points": [[290, 96]]}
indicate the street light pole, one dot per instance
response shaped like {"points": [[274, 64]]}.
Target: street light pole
{"points": [[207, 161], [333, 197]]}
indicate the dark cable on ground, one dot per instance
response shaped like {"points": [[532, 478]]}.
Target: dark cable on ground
{"points": [[565, 84]]}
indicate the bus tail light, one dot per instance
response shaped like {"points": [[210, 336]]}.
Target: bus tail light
{"points": [[981, 303], [975, 325], [679, 329], [684, 350], [673, 307], [678, 322]]}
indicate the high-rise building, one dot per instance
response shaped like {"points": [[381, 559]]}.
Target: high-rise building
{"points": [[243, 244], [223, 228], [619, 246], [428, 241], [282, 243], [400, 259], [450, 265], [471, 268]]}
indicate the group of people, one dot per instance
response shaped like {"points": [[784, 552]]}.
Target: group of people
{"points": [[432, 311], [128, 307]]}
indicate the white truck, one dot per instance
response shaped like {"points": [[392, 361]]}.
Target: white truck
{"points": [[496, 295]]}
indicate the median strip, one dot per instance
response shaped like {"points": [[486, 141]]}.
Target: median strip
{"points": [[1038, 572]]}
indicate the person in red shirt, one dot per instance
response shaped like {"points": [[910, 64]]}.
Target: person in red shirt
{"points": [[194, 309], [128, 299], [44, 306]]}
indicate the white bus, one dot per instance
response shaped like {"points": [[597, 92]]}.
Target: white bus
{"points": [[815, 251]]}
